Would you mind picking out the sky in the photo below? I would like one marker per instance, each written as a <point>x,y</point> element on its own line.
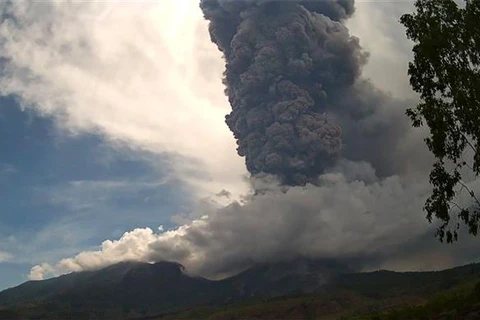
<point>113,147</point>
<point>79,171</point>
<point>62,194</point>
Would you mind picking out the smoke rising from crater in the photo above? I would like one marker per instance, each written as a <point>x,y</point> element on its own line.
<point>341,218</point>
<point>292,79</point>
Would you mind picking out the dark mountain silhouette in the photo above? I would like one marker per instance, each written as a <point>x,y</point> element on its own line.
<point>165,290</point>
<point>153,288</point>
<point>287,277</point>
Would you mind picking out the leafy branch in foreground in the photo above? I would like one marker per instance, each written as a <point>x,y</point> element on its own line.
<point>446,73</point>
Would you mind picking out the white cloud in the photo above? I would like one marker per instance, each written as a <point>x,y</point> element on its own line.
<point>377,25</point>
<point>143,73</point>
<point>132,245</point>
<point>38,272</point>
<point>339,219</point>
<point>5,256</point>
<point>380,223</point>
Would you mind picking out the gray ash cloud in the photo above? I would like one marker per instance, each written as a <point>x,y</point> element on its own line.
<point>293,81</point>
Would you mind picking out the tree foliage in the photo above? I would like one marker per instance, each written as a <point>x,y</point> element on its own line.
<point>446,73</point>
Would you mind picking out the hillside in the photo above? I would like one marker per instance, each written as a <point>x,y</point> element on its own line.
<point>295,289</point>
<point>383,295</point>
<point>142,289</point>
<point>444,305</point>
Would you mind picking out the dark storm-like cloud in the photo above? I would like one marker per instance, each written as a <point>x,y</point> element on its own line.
<point>293,81</point>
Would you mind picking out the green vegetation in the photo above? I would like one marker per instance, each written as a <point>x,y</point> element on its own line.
<point>446,73</point>
<point>142,291</point>
<point>461,301</point>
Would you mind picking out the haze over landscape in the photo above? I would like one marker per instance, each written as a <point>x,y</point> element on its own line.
<point>115,145</point>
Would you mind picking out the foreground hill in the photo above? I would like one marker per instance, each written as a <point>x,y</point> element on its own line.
<point>295,289</point>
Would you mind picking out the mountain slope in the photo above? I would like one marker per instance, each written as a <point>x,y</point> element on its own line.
<point>287,277</point>
<point>127,286</point>
<point>148,289</point>
<point>164,291</point>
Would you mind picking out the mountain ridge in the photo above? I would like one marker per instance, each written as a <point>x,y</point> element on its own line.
<point>136,289</point>
<point>153,288</point>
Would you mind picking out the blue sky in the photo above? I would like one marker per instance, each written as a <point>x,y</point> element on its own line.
<point>118,124</point>
<point>60,194</point>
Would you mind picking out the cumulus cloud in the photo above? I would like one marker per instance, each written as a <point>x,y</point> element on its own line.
<point>38,272</point>
<point>133,245</point>
<point>341,219</point>
<point>142,74</point>
<point>369,224</point>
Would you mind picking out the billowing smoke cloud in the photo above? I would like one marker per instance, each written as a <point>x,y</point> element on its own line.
<point>341,219</point>
<point>146,75</point>
<point>292,79</point>
<point>365,225</point>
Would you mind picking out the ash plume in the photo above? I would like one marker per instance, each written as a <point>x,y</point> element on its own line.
<point>292,79</point>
